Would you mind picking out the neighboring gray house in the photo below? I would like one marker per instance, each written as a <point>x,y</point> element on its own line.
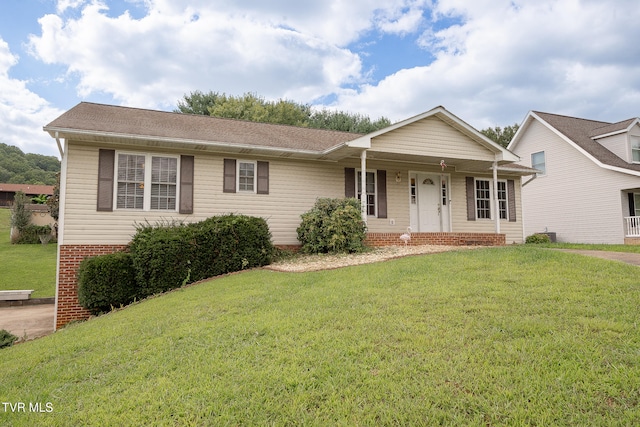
<point>588,187</point>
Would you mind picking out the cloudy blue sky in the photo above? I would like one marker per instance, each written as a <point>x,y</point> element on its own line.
<point>487,61</point>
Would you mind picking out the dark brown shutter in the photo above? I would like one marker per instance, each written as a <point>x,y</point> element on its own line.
<point>263,178</point>
<point>186,185</point>
<point>349,182</point>
<point>229,185</point>
<point>106,164</point>
<point>471,199</point>
<point>632,205</point>
<point>382,193</point>
<point>511,196</point>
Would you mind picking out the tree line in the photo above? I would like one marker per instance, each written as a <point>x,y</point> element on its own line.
<point>16,167</point>
<point>256,108</point>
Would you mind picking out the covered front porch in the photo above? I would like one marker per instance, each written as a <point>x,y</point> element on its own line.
<point>632,221</point>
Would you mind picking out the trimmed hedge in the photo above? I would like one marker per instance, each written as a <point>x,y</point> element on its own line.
<point>333,226</point>
<point>107,281</point>
<point>167,257</point>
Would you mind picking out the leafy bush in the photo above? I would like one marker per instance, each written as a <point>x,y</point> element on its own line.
<point>7,338</point>
<point>332,226</point>
<point>169,256</point>
<point>107,281</point>
<point>538,238</point>
<point>31,234</point>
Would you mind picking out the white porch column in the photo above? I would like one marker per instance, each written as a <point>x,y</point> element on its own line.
<point>363,185</point>
<point>496,210</point>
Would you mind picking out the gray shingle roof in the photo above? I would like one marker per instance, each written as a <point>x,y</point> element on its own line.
<point>126,121</point>
<point>581,132</point>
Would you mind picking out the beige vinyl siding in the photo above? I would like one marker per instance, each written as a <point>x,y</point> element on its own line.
<point>293,189</point>
<point>576,199</point>
<point>430,137</point>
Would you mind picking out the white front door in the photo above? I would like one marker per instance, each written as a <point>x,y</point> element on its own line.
<point>430,209</point>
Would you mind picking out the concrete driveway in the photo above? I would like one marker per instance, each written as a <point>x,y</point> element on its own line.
<point>30,321</point>
<point>627,257</point>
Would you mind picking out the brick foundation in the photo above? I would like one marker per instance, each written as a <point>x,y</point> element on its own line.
<point>449,239</point>
<point>632,240</point>
<point>67,307</point>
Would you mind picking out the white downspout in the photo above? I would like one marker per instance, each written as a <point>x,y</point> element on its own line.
<point>59,145</point>
<point>62,190</point>
<point>363,185</point>
<point>496,210</point>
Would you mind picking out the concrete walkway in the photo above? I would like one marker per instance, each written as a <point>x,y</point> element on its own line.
<point>32,321</point>
<point>627,257</point>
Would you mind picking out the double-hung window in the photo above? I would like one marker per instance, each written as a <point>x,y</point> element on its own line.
<point>635,149</point>
<point>146,182</point>
<point>483,199</point>
<point>502,200</point>
<point>538,161</point>
<point>370,189</point>
<point>246,176</point>
<point>483,190</point>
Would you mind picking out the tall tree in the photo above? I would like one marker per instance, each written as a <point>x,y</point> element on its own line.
<point>502,136</point>
<point>255,108</point>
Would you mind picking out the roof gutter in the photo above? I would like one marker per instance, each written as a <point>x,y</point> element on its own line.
<point>55,133</point>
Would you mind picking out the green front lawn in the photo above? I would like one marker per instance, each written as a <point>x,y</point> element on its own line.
<point>503,336</point>
<point>26,266</point>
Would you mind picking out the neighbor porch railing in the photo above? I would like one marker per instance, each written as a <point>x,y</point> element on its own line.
<point>632,226</point>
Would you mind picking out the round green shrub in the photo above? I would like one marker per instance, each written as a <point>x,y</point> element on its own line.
<point>107,281</point>
<point>538,238</point>
<point>333,226</point>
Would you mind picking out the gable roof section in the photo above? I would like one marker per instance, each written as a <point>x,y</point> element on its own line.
<point>448,118</point>
<point>100,120</point>
<point>614,128</point>
<point>580,133</point>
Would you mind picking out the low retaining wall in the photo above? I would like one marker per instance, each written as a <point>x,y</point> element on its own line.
<point>448,239</point>
<point>27,302</point>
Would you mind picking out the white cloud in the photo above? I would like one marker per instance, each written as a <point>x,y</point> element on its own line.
<point>503,59</point>
<point>22,112</point>
<point>494,60</point>
<point>278,49</point>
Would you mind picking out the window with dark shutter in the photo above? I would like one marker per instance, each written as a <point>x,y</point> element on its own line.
<point>471,199</point>
<point>263,178</point>
<point>511,198</point>
<point>186,185</point>
<point>229,185</point>
<point>382,193</point>
<point>106,163</point>
<point>349,182</point>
